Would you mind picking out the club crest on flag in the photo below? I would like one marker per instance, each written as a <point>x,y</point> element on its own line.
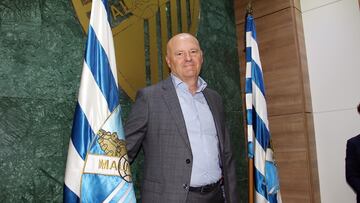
<point>108,156</point>
<point>141,30</point>
<point>114,147</point>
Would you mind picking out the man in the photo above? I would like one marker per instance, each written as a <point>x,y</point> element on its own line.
<point>180,125</point>
<point>353,163</point>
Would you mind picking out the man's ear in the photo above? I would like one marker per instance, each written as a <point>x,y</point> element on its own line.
<point>202,56</point>
<point>167,61</point>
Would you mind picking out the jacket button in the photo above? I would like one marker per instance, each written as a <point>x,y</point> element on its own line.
<point>188,161</point>
<point>185,186</point>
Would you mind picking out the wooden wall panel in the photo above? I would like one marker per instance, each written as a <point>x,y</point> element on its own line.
<point>303,60</point>
<point>291,153</point>
<point>279,55</point>
<point>288,133</point>
<point>283,55</point>
<point>315,184</point>
<point>293,178</point>
<point>262,7</point>
<point>293,140</point>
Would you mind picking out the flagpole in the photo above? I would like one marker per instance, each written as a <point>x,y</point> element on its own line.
<point>251,180</point>
<point>251,161</point>
<point>263,176</point>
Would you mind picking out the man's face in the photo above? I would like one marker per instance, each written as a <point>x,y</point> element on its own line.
<point>184,57</point>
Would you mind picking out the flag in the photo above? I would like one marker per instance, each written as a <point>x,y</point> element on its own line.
<point>266,180</point>
<point>97,168</point>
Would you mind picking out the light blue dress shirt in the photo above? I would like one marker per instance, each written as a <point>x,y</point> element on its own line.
<point>201,131</point>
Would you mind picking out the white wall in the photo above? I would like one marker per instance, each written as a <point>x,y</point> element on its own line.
<point>332,39</point>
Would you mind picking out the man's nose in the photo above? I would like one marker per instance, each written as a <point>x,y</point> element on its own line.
<point>188,57</point>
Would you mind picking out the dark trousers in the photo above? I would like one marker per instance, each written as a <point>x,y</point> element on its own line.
<point>214,196</point>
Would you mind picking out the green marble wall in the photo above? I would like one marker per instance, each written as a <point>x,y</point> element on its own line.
<point>41,47</point>
<point>41,56</point>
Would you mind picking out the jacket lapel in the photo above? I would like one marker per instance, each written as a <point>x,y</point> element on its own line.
<point>171,99</point>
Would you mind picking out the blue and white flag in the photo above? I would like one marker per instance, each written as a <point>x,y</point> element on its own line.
<point>97,168</point>
<point>266,180</point>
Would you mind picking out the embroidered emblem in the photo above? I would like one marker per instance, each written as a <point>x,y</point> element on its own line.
<point>113,146</point>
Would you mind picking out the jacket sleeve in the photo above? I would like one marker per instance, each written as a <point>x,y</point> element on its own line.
<point>353,166</point>
<point>136,125</point>
<point>230,177</point>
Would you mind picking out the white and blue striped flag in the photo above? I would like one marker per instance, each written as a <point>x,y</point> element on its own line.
<point>266,180</point>
<point>97,169</point>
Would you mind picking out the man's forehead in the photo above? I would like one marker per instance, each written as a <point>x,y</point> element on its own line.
<point>180,49</point>
<point>183,37</point>
<point>184,44</point>
<point>189,40</point>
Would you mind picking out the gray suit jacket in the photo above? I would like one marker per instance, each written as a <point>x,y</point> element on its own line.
<point>157,125</point>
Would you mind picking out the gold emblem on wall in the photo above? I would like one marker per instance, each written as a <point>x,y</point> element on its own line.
<point>141,29</point>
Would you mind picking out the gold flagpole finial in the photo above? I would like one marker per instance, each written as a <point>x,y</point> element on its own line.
<point>249,9</point>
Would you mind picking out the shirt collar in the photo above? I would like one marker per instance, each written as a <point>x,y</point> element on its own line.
<point>201,84</point>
